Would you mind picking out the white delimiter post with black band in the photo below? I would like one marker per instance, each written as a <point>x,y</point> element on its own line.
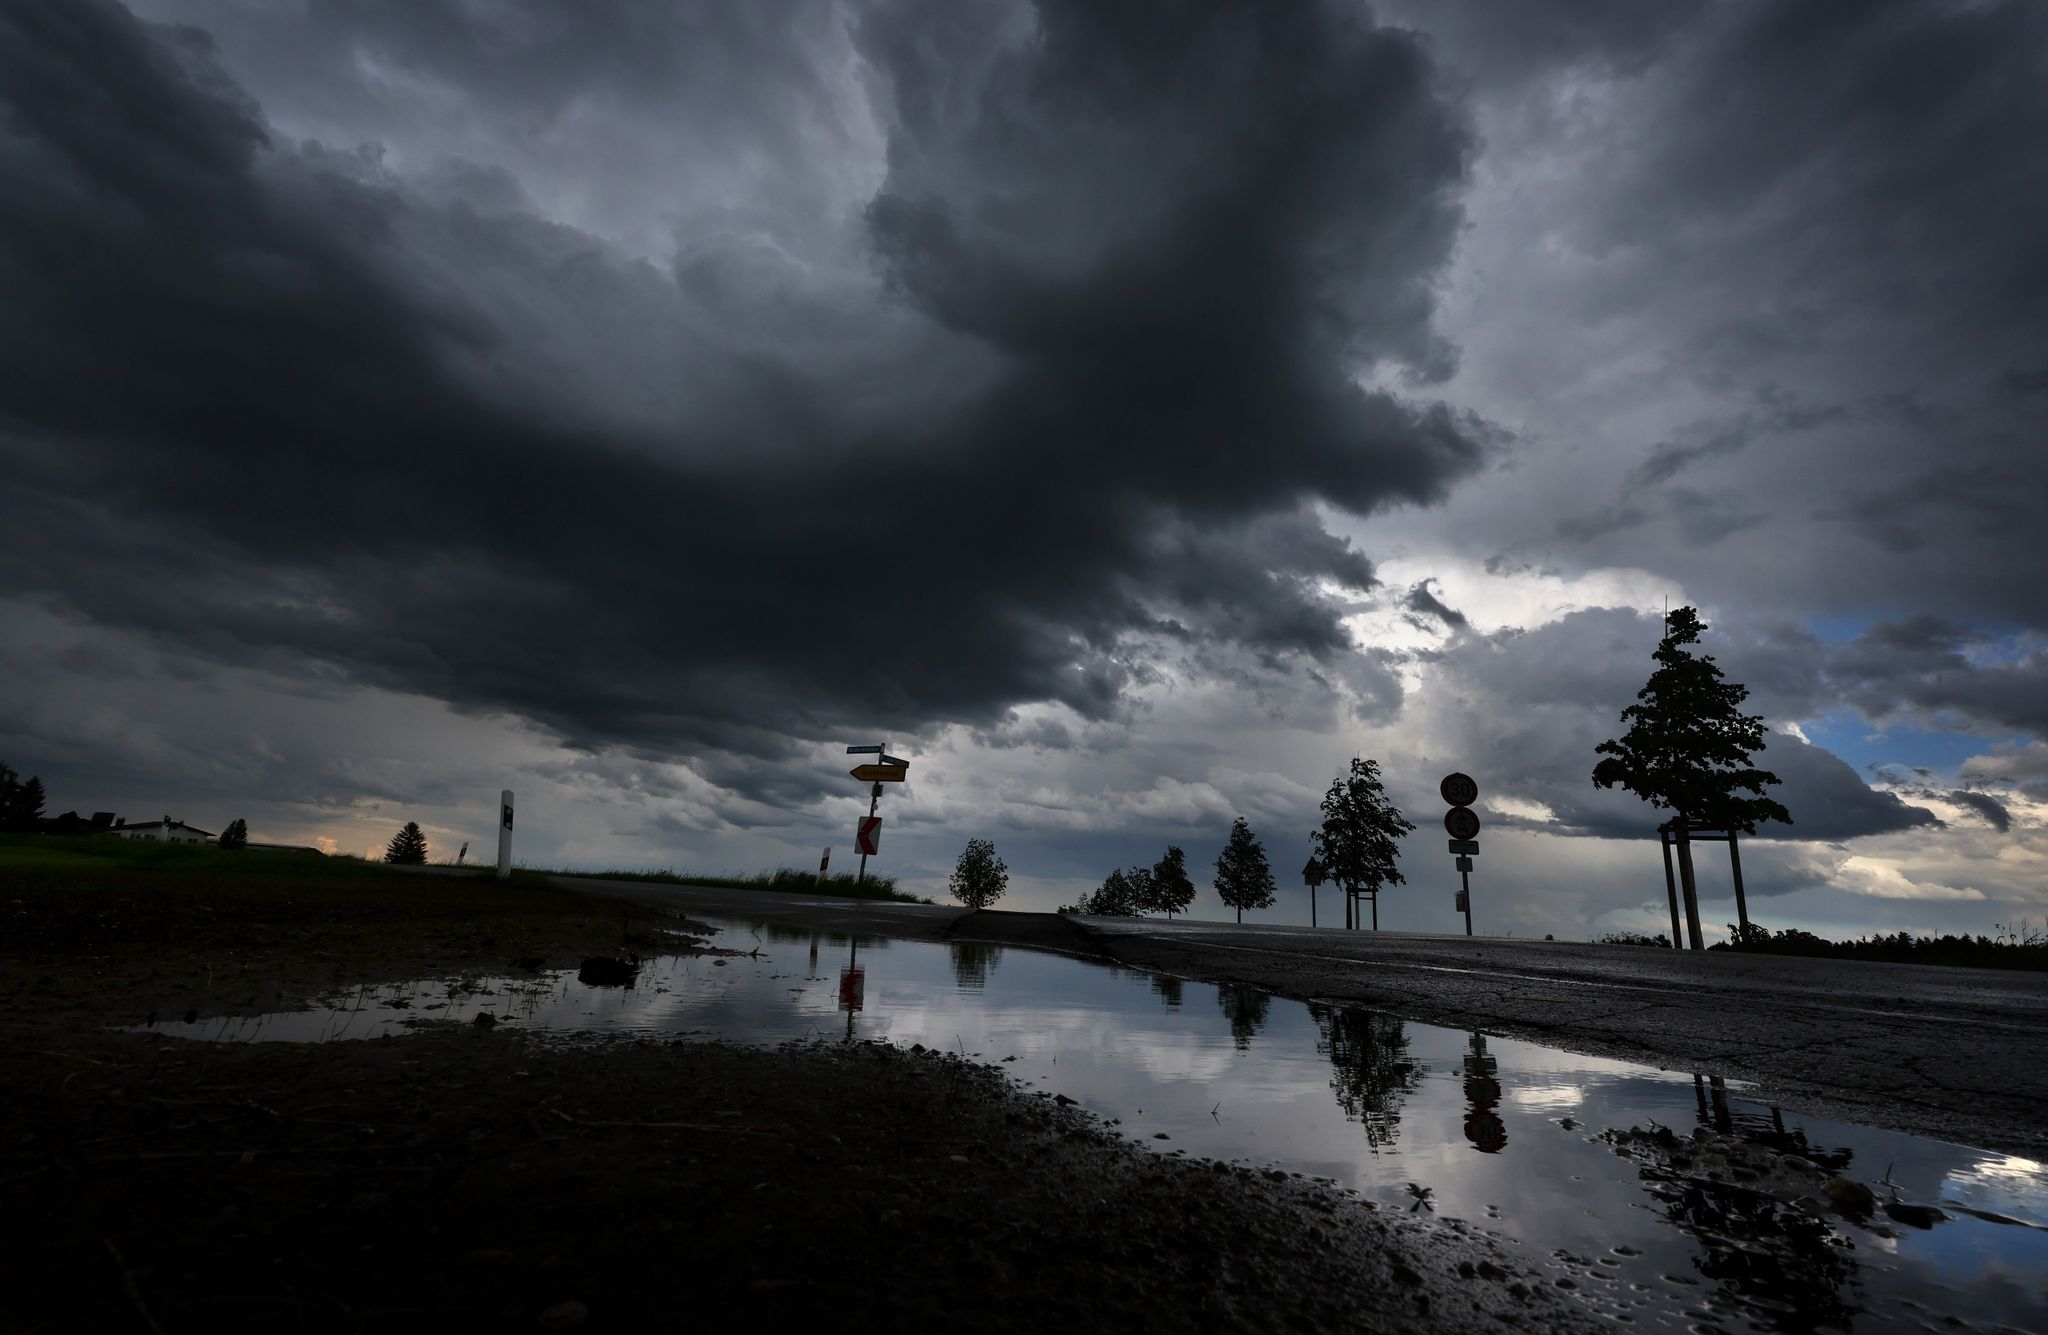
<point>504,833</point>
<point>1462,824</point>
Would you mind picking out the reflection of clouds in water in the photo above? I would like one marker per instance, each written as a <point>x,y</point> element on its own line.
<point>1547,1098</point>
<point>2003,1184</point>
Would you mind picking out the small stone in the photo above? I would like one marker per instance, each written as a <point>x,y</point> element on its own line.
<point>1849,1197</point>
<point>564,1315</point>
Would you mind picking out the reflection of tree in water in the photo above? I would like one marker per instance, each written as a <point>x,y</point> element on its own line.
<point>1756,1211</point>
<point>1245,1008</point>
<point>1370,1067</point>
<point>973,962</point>
<point>1168,987</point>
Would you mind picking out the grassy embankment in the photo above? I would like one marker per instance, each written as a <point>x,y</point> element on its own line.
<point>70,857</point>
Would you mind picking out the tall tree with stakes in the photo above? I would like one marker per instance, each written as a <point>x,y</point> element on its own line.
<point>1170,891</point>
<point>408,847</point>
<point>1688,748</point>
<point>1358,847</point>
<point>1243,879</point>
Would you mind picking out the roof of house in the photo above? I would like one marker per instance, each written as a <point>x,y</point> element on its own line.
<point>158,824</point>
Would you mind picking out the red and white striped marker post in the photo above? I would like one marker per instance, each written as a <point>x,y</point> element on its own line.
<point>823,863</point>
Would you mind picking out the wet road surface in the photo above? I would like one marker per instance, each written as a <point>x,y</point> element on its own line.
<point>1959,1054</point>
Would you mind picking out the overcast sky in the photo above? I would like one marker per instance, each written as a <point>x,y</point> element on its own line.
<point>1126,412</point>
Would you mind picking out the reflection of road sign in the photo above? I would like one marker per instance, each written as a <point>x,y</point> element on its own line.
<point>1468,847</point>
<point>1462,822</point>
<point>863,750</point>
<point>880,773</point>
<point>1465,864</point>
<point>892,760</point>
<point>868,837</point>
<point>1459,790</point>
<point>852,988</point>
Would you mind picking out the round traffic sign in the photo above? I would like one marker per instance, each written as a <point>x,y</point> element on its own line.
<point>1458,789</point>
<point>1462,823</point>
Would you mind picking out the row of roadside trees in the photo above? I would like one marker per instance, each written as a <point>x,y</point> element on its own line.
<point>1357,848</point>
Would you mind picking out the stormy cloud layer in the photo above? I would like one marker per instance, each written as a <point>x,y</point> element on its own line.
<point>712,504</point>
<point>1134,409</point>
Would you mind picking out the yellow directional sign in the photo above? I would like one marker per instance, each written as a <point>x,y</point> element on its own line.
<point>880,773</point>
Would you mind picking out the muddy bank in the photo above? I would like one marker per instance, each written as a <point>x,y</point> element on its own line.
<point>465,1178</point>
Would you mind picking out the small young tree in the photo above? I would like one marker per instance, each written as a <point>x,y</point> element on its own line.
<point>980,877</point>
<point>1168,889</point>
<point>236,835</point>
<point>408,847</point>
<point>1243,879</point>
<point>1688,747</point>
<point>1358,846</point>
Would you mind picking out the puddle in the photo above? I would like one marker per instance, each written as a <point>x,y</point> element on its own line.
<point>1698,1227</point>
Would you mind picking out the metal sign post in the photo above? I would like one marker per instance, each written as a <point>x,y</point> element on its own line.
<point>885,769</point>
<point>1462,824</point>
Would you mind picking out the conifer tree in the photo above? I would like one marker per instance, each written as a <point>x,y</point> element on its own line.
<point>1358,846</point>
<point>236,835</point>
<point>1168,889</point>
<point>1688,745</point>
<point>1243,879</point>
<point>408,847</point>
<point>1688,748</point>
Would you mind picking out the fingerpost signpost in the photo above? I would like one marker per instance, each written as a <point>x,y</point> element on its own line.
<point>867,834</point>
<point>1462,824</point>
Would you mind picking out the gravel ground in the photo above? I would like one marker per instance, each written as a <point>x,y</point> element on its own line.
<point>478,1179</point>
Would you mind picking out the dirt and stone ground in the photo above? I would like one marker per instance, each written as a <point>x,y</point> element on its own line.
<point>464,1178</point>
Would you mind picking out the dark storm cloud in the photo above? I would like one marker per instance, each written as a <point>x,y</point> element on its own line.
<point>275,402</point>
<point>1834,205</point>
<point>1423,602</point>
<point>1990,808</point>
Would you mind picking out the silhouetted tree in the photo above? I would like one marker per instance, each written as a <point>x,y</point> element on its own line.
<point>24,805</point>
<point>1115,898</point>
<point>408,847</point>
<point>10,785</point>
<point>1358,846</point>
<point>980,877</point>
<point>1243,879</point>
<point>1688,748</point>
<point>1168,889</point>
<point>1688,744</point>
<point>236,835</point>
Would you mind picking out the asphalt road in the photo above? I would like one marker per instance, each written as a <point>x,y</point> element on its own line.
<point>1959,1054</point>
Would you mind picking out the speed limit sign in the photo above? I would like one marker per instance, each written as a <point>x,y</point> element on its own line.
<point>1458,790</point>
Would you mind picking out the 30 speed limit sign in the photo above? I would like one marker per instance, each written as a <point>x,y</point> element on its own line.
<point>1458,790</point>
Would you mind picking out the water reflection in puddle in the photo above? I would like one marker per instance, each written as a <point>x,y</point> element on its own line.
<point>1695,1227</point>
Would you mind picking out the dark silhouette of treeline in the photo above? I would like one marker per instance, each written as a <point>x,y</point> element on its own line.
<point>2020,946</point>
